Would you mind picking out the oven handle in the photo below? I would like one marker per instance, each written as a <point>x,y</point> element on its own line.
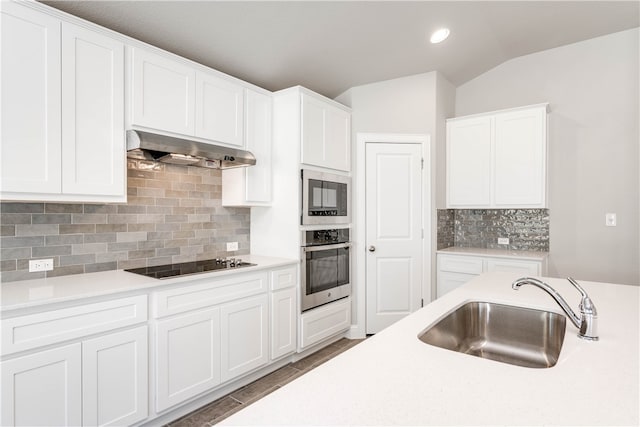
<point>325,247</point>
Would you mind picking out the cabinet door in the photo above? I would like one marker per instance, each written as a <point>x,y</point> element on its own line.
<point>313,127</point>
<point>219,110</point>
<point>469,162</point>
<point>188,356</point>
<point>115,379</point>
<point>30,54</point>
<point>323,322</point>
<point>244,336</point>
<point>338,139</point>
<point>520,157</point>
<point>448,281</point>
<point>93,143</point>
<point>326,135</point>
<point>252,186</point>
<point>283,322</point>
<point>460,264</point>
<point>258,141</point>
<point>532,268</point>
<point>163,93</point>
<point>43,389</point>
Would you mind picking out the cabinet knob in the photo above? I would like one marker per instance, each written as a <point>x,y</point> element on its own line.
<point>372,248</point>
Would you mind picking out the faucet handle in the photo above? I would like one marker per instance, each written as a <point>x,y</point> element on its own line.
<point>588,315</point>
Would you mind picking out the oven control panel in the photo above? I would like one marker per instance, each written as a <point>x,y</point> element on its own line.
<point>325,237</point>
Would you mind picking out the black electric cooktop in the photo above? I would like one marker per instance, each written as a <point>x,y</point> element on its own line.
<point>185,268</point>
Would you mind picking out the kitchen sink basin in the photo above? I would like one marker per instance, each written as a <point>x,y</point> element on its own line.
<point>515,335</point>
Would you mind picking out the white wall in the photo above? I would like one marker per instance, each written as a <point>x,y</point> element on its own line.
<point>408,105</point>
<point>445,108</point>
<point>593,91</point>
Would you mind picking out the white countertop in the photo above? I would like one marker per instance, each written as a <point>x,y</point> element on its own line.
<point>33,293</point>
<point>497,253</point>
<point>393,378</point>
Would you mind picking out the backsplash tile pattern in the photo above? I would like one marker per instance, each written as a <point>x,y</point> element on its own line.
<point>173,214</point>
<point>527,229</point>
<point>446,226</point>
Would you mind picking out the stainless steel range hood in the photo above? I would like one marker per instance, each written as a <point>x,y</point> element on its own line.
<point>168,149</point>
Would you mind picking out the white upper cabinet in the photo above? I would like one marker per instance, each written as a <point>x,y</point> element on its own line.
<point>170,96</point>
<point>326,134</point>
<point>251,186</point>
<point>93,145</point>
<point>520,158</point>
<point>31,97</point>
<point>62,110</point>
<point>469,162</point>
<point>162,93</point>
<point>498,160</point>
<point>219,110</point>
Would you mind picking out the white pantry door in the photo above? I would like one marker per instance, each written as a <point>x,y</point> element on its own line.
<point>393,232</point>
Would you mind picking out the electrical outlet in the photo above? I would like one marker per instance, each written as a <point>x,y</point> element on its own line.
<point>232,246</point>
<point>40,265</point>
<point>503,240</point>
<point>610,220</point>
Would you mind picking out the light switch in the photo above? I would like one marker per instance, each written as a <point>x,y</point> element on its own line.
<point>610,220</point>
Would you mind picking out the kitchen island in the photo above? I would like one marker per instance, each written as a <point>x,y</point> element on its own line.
<point>393,378</point>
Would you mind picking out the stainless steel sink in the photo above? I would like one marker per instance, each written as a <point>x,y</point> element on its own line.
<point>516,335</point>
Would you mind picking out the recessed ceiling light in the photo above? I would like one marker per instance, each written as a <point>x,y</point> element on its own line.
<point>439,35</point>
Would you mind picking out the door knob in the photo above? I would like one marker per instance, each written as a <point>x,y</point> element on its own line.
<point>372,248</point>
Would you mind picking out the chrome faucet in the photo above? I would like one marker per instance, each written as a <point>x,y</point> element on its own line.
<point>587,323</point>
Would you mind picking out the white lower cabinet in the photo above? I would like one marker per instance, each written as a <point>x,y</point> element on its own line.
<point>244,336</point>
<point>284,311</point>
<point>198,350</point>
<point>325,321</point>
<point>43,389</point>
<point>448,281</point>
<point>115,378</point>
<point>209,333</point>
<point>188,356</point>
<point>532,268</point>
<point>88,364</point>
<point>456,270</point>
<point>283,322</point>
<point>97,382</point>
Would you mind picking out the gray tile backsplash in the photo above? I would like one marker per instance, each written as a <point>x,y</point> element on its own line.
<point>527,229</point>
<point>173,214</point>
<point>446,227</point>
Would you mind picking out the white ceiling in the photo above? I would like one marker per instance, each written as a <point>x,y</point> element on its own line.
<point>330,46</point>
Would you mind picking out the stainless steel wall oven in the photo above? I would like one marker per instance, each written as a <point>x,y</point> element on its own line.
<point>326,266</point>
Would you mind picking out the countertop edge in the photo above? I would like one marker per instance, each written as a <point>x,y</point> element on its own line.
<point>31,294</point>
<point>495,253</point>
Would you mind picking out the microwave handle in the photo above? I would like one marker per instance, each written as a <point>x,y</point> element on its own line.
<point>325,247</point>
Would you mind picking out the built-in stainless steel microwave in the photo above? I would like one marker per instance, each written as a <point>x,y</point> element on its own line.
<point>326,198</point>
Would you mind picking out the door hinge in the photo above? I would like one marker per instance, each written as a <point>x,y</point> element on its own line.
<point>421,302</point>
<point>422,164</point>
<point>423,233</point>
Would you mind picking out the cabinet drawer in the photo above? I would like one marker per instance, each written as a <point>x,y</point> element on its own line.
<point>325,321</point>
<point>283,278</point>
<point>35,330</point>
<point>514,266</point>
<point>460,264</point>
<point>448,281</point>
<point>204,293</point>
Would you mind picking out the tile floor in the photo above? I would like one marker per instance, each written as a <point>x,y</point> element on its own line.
<point>220,409</point>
